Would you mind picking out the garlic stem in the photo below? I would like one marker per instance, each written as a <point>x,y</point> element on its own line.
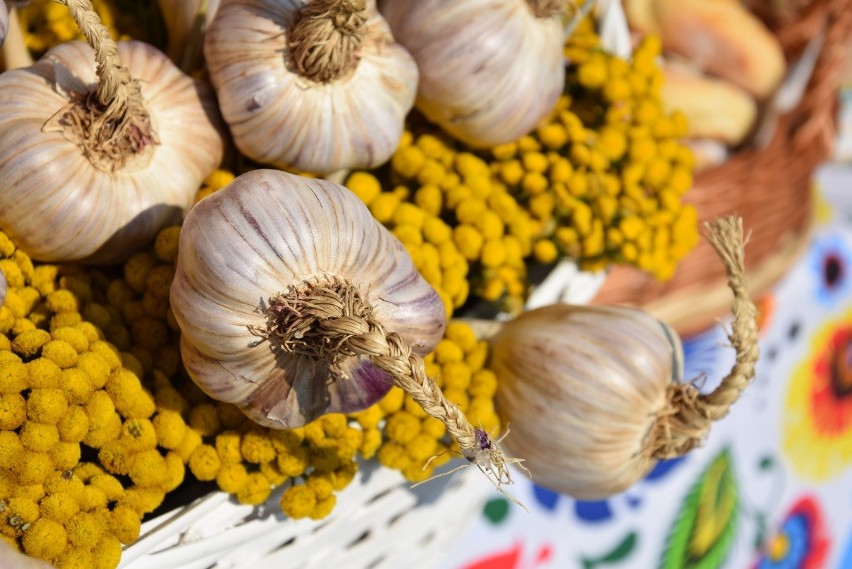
<point>14,52</point>
<point>684,423</point>
<point>329,320</point>
<point>325,36</point>
<point>115,125</point>
<point>548,8</point>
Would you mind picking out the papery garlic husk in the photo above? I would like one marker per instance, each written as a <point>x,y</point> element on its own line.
<point>2,288</point>
<point>490,70</point>
<point>580,388</point>
<point>270,234</point>
<point>186,21</point>
<point>278,115</point>
<point>57,202</point>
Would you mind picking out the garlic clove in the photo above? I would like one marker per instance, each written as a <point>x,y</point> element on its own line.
<point>55,203</point>
<point>278,116</point>
<point>269,233</point>
<point>490,70</point>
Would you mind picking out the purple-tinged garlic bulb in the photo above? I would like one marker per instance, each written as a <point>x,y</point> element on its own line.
<point>259,255</point>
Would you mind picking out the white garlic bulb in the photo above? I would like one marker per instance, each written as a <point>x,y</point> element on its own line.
<point>602,371</point>
<point>490,70</point>
<point>315,86</point>
<point>186,21</point>
<point>594,395</point>
<point>249,254</point>
<point>91,167</point>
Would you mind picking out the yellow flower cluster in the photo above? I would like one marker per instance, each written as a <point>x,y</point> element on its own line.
<point>47,23</point>
<point>605,173</point>
<point>400,433</point>
<point>465,231</point>
<point>65,391</point>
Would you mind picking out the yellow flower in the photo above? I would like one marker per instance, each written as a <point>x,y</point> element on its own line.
<point>323,507</point>
<point>47,405</point>
<point>493,253</point>
<point>402,427</point>
<point>74,425</point>
<point>30,342</point>
<point>364,185</point>
<point>45,539</point>
<point>256,447</point>
<point>148,468</point>
<point>124,523</point>
<point>13,411</point>
<point>204,463</point>
<point>553,135</point>
<point>255,490</point>
<point>434,428</point>
<point>420,448</point>
<point>298,501</point>
<point>59,507</point>
<point>62,301</point>
<point>85,529</point>
<point>545,251</point>
<point>429,198</point>
<point>166,243</point>
<point>60,352</point>
<point>38,436</point>
<point>461,334</point>
<point>370,443</point>
<point>511,172</point>
<point>232,477</point>
<point>393,455</point>
<point>293,463</point>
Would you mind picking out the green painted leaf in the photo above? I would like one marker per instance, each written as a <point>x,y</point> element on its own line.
<point>496,510</point>
<point>622,550</point>
<point>704,529</point>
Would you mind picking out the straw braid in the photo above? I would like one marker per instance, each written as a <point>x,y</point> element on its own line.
<point>684,423</point>
<point>111,124</point>
<point>329,320</point>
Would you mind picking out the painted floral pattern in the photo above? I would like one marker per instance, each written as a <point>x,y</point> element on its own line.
<point>801,541</point>
<point>817,429</point>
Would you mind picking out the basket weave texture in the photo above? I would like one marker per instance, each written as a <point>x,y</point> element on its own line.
<point>769,187</point>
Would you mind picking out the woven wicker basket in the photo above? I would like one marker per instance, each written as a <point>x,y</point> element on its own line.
<point>769,187</point>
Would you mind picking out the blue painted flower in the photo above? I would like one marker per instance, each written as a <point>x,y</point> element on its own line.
<point>831,261</point>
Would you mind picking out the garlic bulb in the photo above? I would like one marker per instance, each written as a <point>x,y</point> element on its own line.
<point>490,70</point>
<point>594,395</point>
<point>268,235</point>
<point>94,161</point>
<point>317,87</point>
<point>186,21</point>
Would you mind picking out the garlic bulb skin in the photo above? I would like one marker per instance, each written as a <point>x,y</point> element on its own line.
<point>279,117</point>
<point>490,70</point>
<point>180,17</point>
<point>15,559</point>
<point>2,289</point>
<point>54,203</point>
<point>580,387</point>
<point>267,233</point>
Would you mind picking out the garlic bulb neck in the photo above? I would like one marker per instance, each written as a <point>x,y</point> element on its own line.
<point>687,418</point>
<point>325,37</point>
<point>111,123</point>
<point>327,321</point>
<point>319,319</point>
<point>547,8</point>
